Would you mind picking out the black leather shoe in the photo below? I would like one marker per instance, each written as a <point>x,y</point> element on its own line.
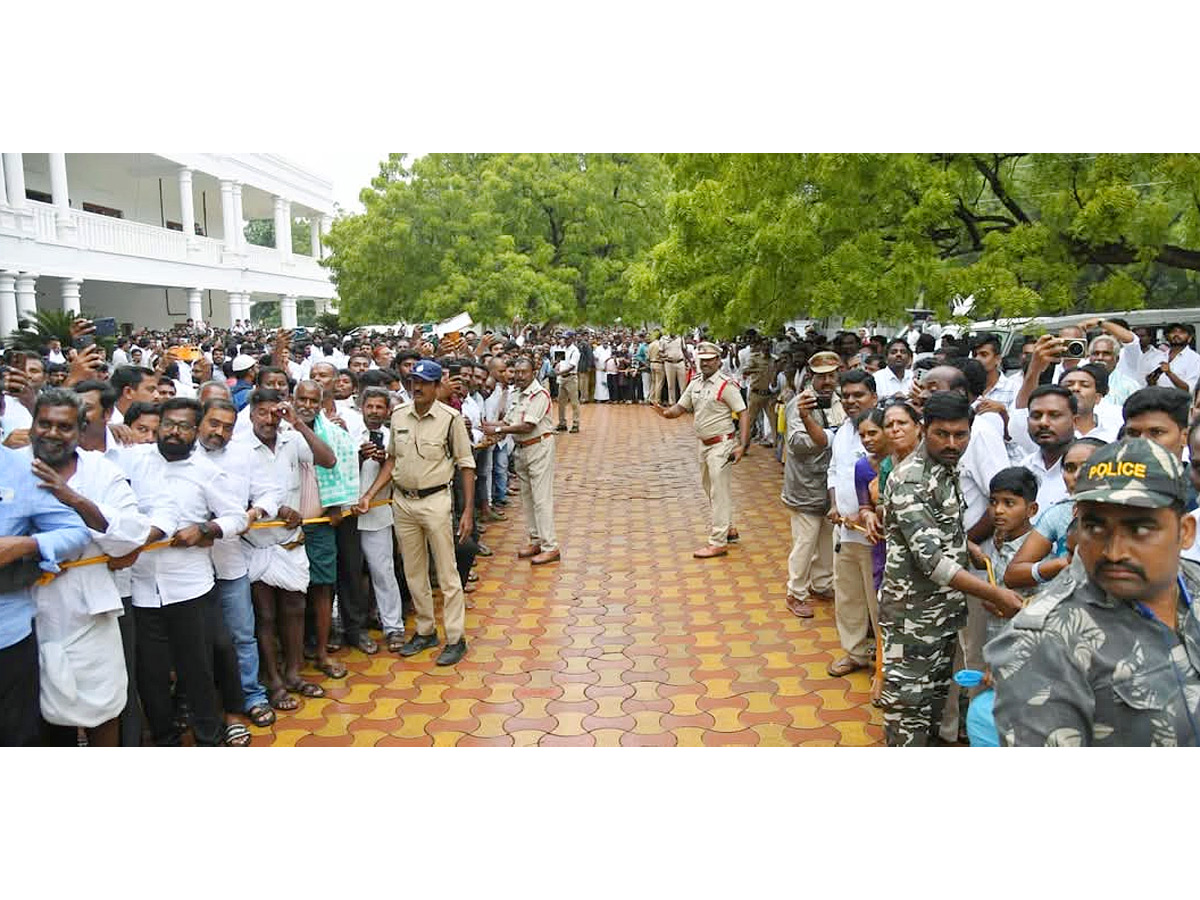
<point>417,643</point>
<point>561,428</point>
<point>452,653</point>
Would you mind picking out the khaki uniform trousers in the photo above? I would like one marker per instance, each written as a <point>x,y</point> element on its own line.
<point>430,521</point>
<point>810,564</point>
<point>855,602</point>
<point>656,382</point>
<point>676,375</point>
<point>716,474</point>
<point>535,467</point>
<point>568,392</point>
<point>587,386</point>
<point>755,406</point>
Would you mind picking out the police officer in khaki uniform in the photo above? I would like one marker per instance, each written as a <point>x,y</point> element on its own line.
<point>427,441</point>
<point>714,399</point>
<point>529,421</point>
<point>674,357</point>
<point>654,357</point>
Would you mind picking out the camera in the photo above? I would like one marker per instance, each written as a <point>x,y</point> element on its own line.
<point>824,402</point>
<point>1075,349</point>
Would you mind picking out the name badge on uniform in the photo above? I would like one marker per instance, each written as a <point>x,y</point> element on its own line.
<point>401,431</point>
<point>7,495</point>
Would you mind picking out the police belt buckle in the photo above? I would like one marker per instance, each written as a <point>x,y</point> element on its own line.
<point>410,495</point>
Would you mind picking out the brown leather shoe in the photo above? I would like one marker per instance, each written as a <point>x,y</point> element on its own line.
<point>732,536</point>
<point>801,608</point>
<point>844,667</point>
<point>710,551</point>
<point>528,550</point>
<point>548,557</point>
<point>814,597</point>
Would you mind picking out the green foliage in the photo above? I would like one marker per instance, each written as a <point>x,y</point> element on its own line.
<point>261,233</point>
<point>266,314</point>
<point>758,239</point>
<point>539,236</point>
<point>330,323</point>
<point>32,334</point>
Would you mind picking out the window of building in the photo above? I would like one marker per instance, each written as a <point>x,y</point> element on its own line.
<point>103,210</point>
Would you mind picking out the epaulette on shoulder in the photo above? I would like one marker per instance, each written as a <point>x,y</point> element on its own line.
<point>1033,617</point>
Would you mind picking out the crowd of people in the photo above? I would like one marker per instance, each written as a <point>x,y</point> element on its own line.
<point>198,524</point>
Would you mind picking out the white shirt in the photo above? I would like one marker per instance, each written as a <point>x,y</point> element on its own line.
<point>67,602</point>
<point>984,457</point>
<point>283,464</point>
<point>176,494</point>
<point>1051,487</point>
<point>888,385</point>
<point>1186,366</point>
<point>376,518</point>
<point>254,485</point>
<point>1144,361</point>
<point>1109,420</point>
<point>494,408</point>
<point>1005,389</point>
<point>472,410</point>
<point>120,357</point>
<point>847,451</point>
<point>16,416</point>
<point>570,364</point>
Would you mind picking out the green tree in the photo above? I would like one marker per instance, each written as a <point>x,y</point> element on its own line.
<point>763,238</point>
<point>261,233</point>
<point>540,236</point>
<point>266,313</point>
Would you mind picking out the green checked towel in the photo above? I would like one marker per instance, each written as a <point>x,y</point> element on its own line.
<point>338,486</point>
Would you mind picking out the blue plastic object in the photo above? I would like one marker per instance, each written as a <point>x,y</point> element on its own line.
<point>981,723</point>
<point>968,678</point>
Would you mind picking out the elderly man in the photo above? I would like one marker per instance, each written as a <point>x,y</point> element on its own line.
<point>1119,352</point>
<point>1109,653</point>
<point>714,399</point>
<point>812,418</point>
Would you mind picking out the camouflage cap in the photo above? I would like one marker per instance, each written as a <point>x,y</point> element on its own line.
<point>823,362</point>
<point>1132,472</point>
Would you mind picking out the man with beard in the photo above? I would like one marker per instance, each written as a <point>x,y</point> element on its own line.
<point>1109,653</point>
<point>896,377</point>
<point>84,681</point>
<point>271,378</point>
<point>259,493</point>
<point>277,562</point>
<point>375,525</point>
<point>1181,368</point>
<point>1051,427</point>
<point>174,593</point>
<point>921,602</point>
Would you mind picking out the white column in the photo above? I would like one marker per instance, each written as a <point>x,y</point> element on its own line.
<point>227,222</point>
<point>70,294</point>
<point>314,231</point>
<point>325,223</point>
<point>8,303</point>
<point>187,204</point>
<point>3,183</point>
<point>283,228</point>
<point>64,224</point>
<point>234,307</point>
<point>14,178</point>
<point>287,311</point>
<point>246,306</point>
<point>195,310</point>
<point>26,295</point>
<point>239,219</point>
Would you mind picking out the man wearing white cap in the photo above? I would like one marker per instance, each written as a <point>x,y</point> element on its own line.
<point>245,370</point>
<point>714,399</point>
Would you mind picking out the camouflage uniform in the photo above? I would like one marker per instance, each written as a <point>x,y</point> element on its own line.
<point>1079,667</point>
<point>919,614</point>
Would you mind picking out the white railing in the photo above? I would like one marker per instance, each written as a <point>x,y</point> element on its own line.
<point>96,232</point>
<point>43,219</point>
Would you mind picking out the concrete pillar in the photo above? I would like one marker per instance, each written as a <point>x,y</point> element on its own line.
<point>3,183</point>
<point>8,303</point>
<point>187,203</point>
<point>287,311</point>
<point>64,223</point>
<point>326,222</point>
<point>70,294</point>
<point>239,219</point>
<point>314,230</point>
<point>227,220</point>
<point>195,309</point>
<point>283,228</point>
<point>26,295</point>
<point>14,178</point>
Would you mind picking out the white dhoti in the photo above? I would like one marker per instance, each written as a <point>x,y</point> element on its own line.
<point>286,570</point>
<point>82,675</point>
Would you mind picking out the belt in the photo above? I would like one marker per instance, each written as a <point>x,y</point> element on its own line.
<point>708,442</point>
<point>417,494</point>
<point>535,440</point>
<point>675,360</point>
<point>292,545</point>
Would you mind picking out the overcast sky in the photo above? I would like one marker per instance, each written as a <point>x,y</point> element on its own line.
<point>349,170</point>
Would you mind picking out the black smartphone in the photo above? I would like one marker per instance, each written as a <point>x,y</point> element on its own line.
<point>106,326</point>
<point>83,341</point>
<point>377,439</point>
<point>824,402</point>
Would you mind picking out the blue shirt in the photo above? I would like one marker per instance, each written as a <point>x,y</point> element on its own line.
<point>29,510</point>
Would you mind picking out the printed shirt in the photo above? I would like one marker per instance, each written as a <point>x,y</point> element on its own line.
<point>338,485</point>
<point>1077,667</point>
<point>714,400</point>
<point>926,545</point>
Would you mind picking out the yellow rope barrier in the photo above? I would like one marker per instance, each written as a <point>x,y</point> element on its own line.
<point>47,577</point>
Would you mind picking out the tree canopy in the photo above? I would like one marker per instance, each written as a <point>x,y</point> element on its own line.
<point>540,236</point>
<point>734,240</point>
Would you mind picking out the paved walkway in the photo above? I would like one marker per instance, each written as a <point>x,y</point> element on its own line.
<point>629,640</point>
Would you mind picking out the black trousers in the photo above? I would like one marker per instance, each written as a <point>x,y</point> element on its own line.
<point>180,634</point>
<point>20,703</point>
<point>131,715</point>
<point>351,591</point>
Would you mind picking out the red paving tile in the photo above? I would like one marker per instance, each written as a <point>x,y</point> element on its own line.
<point>629,641</point>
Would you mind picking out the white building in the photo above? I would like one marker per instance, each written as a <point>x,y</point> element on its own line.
<point>154,239</point>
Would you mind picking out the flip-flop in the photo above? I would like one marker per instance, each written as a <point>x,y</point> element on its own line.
<point>331,669</point>
<point>283,701</point>
<point>262,716</point>
<point>305,689</point>
<point>236,735</point>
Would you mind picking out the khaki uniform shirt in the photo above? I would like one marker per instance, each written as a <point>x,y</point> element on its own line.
<point>653,353</point>
<point>671,349</point>
<point>758,372</point>
<point>427,448</point>
<point>530,405</point>
<point>714,400</point>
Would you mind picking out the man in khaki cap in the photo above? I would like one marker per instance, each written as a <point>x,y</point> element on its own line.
<point>714,399</point>
<point>428,441</point>
<point>529,422</point>
<point>674,357</point>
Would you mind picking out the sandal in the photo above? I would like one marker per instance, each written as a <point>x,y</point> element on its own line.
<point>472,577</point>
<point>281,700</point>
<point>331,669</point>
<point>262,716</point>
<point>236,735</point>
<point>305,689</point>
<point>395,641</point>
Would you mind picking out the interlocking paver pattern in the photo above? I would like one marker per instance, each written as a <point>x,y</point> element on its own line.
<point>629,641</point>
